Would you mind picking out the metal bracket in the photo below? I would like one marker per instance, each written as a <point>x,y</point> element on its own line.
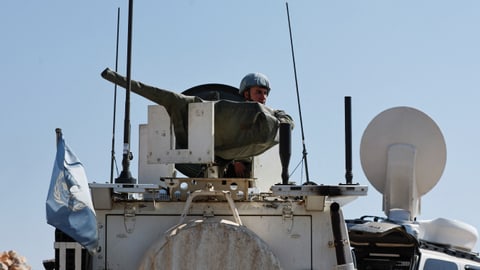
<point>340,243</point>
<point>287,215</point>
<point>197,193</point>
<point>208,212</point>
<point>129,218</point>
<point>287,212</point>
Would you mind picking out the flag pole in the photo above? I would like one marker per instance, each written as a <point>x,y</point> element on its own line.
<point>58,131</point>
<point>125,176</point>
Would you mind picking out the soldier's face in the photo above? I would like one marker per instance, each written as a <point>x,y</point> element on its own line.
<point>257,93</point>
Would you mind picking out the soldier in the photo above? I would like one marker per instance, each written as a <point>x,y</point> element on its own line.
<point>253,87</point>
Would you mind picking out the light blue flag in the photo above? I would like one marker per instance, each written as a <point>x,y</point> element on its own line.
<point>69,203</point>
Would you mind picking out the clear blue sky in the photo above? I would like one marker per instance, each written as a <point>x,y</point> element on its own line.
<point>423,54</point>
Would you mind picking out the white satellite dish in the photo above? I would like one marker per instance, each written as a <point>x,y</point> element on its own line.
<point>403,155</point>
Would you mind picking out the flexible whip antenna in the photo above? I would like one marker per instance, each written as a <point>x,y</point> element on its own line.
<point>126,176</point>
<point>298,97</point>
<point>115,102</point>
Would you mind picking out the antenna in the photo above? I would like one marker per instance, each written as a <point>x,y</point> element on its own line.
<point>126,177</point>
<point>285,149</point>
<point>298,97</point>
<point>115,101</point>
<point>348,140</point>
